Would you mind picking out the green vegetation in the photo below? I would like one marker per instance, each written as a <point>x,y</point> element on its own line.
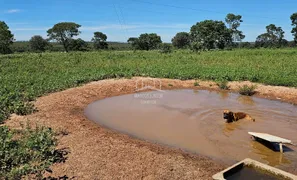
<point>247,90</point>
<point>165,48</point>
<point>27,76</point>
<point>99,40</point>
<point>145,41</point>
<point>27,151</point>
<point>196,83</point>
<point>6,38</point>
<point>63,33</point>
<point>38,44</point>
<point>181,40</point>
<point>223,85</point>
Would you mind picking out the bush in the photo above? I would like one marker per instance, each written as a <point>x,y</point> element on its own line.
<point>78,45</point>
<point>28,151</point>
<point>38,44</point>
<point>165,48</point>
<point>247,90</point>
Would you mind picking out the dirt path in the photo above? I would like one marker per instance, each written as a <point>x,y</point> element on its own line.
<point>99,153</point>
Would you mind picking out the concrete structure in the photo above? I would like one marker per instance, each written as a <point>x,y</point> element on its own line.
<point>257,165</point>
<point>272,139</point>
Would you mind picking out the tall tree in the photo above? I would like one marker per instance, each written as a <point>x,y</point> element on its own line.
<point>275,33</point>
<point>99,40</point>
<point>234,22</point>
<point>211,34</point>
<point>181,40</point>
<point>6,38</point>
<point>63,33</point>
<point>38,44</point>
<point>294,24</point>
<point>272,38</point>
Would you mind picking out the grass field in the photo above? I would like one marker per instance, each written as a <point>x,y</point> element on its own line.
<point>24,77</point>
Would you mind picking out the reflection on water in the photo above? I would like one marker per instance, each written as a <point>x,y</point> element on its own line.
<point>267,154</point>
<point>248,100</point>
<point>224,94</point>
<point>193,120</point>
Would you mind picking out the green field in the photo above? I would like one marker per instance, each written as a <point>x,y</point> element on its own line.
<point>27,76</point>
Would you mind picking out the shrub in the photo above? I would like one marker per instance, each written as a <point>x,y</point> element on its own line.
<point>247,90</point>
<point>223,85</point>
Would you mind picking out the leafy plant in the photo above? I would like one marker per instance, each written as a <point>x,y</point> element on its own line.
<point>27,151</point>
<point>247,90</point>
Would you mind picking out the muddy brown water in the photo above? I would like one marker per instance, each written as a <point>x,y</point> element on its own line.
<point>193,120</point>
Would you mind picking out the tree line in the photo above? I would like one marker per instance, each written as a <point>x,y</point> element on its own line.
<point>204,35</point>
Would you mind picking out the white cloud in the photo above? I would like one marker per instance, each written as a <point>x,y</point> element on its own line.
<point>31,29</point>
<point>135,26</point>
<point>10,11</point>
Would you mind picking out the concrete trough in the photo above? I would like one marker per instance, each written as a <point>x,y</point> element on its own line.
<point>251,169</point>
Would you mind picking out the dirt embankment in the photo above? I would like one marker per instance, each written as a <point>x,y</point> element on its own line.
<point>99,153</point>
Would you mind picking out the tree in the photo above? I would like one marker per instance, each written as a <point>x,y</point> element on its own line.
<point>234,22</point>
<point>99,40</point>
<point>78,45</point>
<point>275,33</point>
<point>38,44</point>
<point>134,42</point>
<point>181,40</point>
<point>272,38</point>
<point>6,38</point>
<point>211,34</point>
<point>146,41</point>
<point>294,24</point>
<point>63,33</point>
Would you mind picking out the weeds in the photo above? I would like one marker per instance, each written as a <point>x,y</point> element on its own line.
<point>247,90</point>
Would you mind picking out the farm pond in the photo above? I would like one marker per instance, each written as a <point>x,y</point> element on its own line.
<point>192,120</point>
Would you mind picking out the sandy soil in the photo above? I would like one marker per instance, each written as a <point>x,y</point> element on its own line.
<point>99,153</point>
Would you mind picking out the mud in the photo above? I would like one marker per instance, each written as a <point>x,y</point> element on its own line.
<point>193,120</point>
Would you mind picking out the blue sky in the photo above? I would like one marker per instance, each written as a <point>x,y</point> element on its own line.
<point>121,19</point>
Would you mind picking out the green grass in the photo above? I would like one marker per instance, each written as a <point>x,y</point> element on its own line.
<point>26,76</point>
<point>29,151</point>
